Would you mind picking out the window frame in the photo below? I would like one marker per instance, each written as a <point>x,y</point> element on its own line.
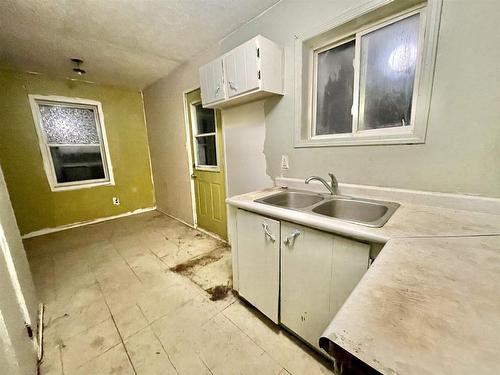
<point>44,145</point>
<point>195,135</point>
<point>366,18</point>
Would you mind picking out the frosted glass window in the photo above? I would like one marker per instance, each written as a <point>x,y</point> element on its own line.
<point>334,90</point>
<point>69,125</point>
<point>387,76</point>
<point>364,84</point>
<point>72,142</point>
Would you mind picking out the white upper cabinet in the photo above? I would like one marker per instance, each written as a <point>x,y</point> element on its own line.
<point>251,71</point>
<point>212,82</point>
<point>241,69</point>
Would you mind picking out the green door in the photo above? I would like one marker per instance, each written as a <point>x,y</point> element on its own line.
<point>208,165</point>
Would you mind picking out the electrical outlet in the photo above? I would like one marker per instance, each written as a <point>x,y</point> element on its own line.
<point>284,162</point>
<point>116,201</point>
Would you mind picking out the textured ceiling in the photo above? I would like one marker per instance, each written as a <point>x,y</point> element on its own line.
<point>129,43</point>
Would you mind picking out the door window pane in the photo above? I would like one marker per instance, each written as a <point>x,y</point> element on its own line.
<point>206,149</point>
<point>68,125</point>
<point>77,163</point>
<point>388,62</point>
<point>334,92</point>
<point>205,120</point>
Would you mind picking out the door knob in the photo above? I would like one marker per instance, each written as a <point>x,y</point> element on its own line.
<point>194,176</point>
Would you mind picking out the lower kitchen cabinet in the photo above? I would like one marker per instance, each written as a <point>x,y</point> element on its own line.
<point>258,261</point>
<point>318,272</point>
<point>297,276</point>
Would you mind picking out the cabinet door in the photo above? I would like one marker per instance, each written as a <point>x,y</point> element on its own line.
<point>211,82</point>
<point>241,70</point>
<point>258,261</point>
<point>318,272</point>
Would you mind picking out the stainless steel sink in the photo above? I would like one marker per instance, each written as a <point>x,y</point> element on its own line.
<point>292,199</point>
<point>366,212</point>
<point>359,211</point>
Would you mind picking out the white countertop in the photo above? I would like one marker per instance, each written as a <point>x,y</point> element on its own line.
<point>409,220</point>
<point>430,303</point>
<point>426,306</point>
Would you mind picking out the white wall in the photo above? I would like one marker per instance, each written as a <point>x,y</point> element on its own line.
<point>463,139</point>
<point>164,108</point>
<point>18,302</point>
<point>244,136</point>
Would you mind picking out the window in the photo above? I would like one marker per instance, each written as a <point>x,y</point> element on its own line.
<point>359,82</point>
<point>72,141</point>
<point>205,137</point>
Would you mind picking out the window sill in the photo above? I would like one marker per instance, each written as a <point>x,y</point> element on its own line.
<point>207,168</point>
<point>359,140</point>
<point>58,188</point>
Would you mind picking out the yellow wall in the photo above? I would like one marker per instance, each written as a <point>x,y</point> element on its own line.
<point>35,206</point>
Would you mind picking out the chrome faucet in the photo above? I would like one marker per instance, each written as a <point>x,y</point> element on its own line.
<point>333,187</point>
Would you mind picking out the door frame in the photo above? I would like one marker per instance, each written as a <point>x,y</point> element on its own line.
<point>187,131</point>
<point>188,145</point>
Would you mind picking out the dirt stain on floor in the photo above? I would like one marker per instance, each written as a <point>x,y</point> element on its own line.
<point>195,267</point>
<point>218,292</point>
<point>197,262</point>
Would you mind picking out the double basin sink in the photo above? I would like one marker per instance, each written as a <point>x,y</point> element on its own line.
<point>366,212</point>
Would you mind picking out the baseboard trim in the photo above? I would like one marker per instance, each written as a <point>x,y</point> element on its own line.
<point>192,226</point>
<point>44,231</point>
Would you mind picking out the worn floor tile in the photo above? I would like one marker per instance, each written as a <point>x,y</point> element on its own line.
<point>89,344</point>
<point>225,349</point>
<point>147,354</point>
<point>187,361</point>
<point>113,278</point>
<point>130,321</point>
<point>162,301</point>
<point>184,323</point>
<point>74,321</point>
<point>112,362</point>
<point>51,363</point>
<point>287,351</point>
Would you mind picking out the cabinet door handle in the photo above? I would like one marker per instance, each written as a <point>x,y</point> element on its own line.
<point>291,237</point>
<point>232,86</point>
<point>217,90</point>
<point>265,226</point>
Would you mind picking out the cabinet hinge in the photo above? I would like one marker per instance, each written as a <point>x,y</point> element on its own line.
<point>258,74</point>
<point>258,52</point>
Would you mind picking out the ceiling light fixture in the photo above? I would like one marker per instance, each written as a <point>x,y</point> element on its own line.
<point>78,70</point>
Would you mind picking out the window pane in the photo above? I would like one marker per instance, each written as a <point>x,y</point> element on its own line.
<point>335,77</point>
<point>65,125</point>
<point>207,154</point>
<point>205,120</point>
<point>77,163</point>
<point>388,59</point>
